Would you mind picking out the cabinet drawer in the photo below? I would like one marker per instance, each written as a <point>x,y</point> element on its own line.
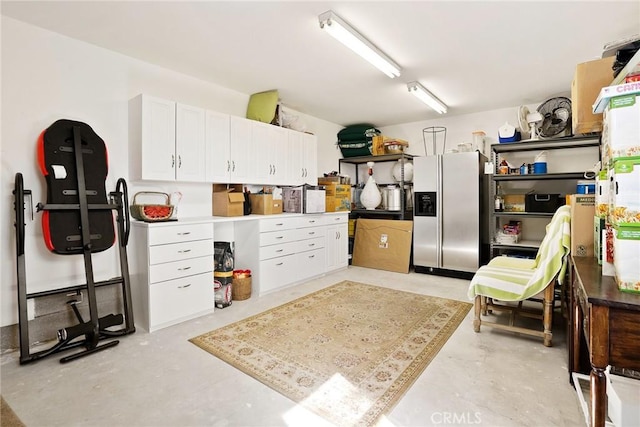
<point>310,233</point>
<point>276,237</point>
<point>336,219</point>
<point>273,251</point>
<point>310,244</point>
<point>176,269</point>
<point>312,263</point>
<point>278,272</point>
<point>310,220</point>
<point>176,299</point>
<point>275,224</point>
<point>179,251</point>
<point>180,233</point>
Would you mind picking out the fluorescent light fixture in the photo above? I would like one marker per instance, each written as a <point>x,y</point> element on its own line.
<point>344,33</point>
<point>427,97</point>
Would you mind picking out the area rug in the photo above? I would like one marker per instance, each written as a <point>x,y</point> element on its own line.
<point>348,352</point>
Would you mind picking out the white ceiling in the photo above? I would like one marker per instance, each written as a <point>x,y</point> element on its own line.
<point>475,56</point>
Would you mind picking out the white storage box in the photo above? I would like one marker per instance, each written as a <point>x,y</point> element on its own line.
<point>625,192</point>
<point>621,129</point>
<point>626,253</point>
<point>623,395</point>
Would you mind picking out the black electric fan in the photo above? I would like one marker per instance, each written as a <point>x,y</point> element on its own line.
<point>556,113</point>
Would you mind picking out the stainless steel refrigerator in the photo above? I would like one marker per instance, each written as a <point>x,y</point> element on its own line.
<point>450,215</point>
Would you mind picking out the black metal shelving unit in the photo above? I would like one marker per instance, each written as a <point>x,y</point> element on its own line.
<point>530,247</point>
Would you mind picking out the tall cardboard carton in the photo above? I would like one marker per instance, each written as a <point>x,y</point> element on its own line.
<point>588,79</point>
<point>583,210</point>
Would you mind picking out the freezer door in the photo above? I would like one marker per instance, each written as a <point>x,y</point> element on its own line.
<point>426,207</point>
<point>461,214</point>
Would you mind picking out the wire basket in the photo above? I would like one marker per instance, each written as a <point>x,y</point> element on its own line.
<point>151,212</point>
<point>241,288</point>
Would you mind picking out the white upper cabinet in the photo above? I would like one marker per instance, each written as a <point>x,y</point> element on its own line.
<point>218,148</point>
<point>302,158</point>
<point>190,144</point>
<point>166,140</point>
<point>269,148</point>
<point>241,153</point>
<point>170,141</point>
<point>309,159</point>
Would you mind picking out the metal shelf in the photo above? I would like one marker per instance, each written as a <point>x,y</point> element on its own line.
<point>538,176</point>
<point>524,214</point>
<point>547,144</point>
<point>382,158</point>
<point>523,245</point>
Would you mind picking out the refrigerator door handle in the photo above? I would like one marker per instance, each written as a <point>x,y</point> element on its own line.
<point>439,210</point>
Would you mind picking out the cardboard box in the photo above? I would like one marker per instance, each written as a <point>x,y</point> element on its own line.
<point>583,209</point>
<point>338,197</point>
<point>339,179</point>
<point>621,121</point>
<point>227,200</point>
<point>624,194</point>
<point>261,204</point>
<point>588,79</point>
<point>626,253</point>
<point>277,206</point>
<point>514,203</point>
<point>623,405</point>
<point>383,244</point>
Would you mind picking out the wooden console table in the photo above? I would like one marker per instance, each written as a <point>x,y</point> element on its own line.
<point>609,321</point>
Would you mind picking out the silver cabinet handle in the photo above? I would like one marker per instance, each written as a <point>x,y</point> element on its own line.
<point>173,161</point>
<point>179,161</point>
<point>186,251</point>
<point>280,250</point>
<point>228,165</point>
<point>311,233</point>
<point>311,245</point>
<point>280,224</point>
<point>184,233</point>
<point>233,162</point>
<point>279,237</point>
<point>280,263</point>
<point>184,268</point>
<point>185,286</point>
<point>312,256</point>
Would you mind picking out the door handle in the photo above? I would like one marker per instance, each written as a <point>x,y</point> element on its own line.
<point>186,251</point>
<point>184,268</point>
<point>173,161</point>
<point>228,165</point>
<point>179,161</point>
<point>185,286</point>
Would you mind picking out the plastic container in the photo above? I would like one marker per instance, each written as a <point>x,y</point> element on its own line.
<point>540,167</point>
<point>586,187</point>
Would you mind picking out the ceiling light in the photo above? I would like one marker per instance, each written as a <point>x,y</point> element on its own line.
<point>344,33</point>
<point>427,97</point>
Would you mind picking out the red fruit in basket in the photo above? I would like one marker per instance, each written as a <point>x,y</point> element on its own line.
<point>155,212</point>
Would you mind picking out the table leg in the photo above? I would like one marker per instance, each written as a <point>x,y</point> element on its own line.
<point>599,346</point>
<point>598,393</point>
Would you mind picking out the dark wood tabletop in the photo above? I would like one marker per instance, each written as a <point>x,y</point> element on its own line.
<point>603,290</point>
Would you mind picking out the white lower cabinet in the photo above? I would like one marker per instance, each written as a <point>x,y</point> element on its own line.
<point>171,272</point>
<point>337,245</point>
<point>290,250</point>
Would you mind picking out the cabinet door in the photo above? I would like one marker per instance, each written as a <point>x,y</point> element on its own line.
<point>337,247</point>
<point>158,139</point>
<point>217,147</point>
<point>295,167</point>
<point>278,144</point>
<point>309,159</point>
<point>261,137</point>
<point>190,143</point>
<point>241,150</point>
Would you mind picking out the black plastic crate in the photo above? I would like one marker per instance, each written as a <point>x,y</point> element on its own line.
<point>543,203</point>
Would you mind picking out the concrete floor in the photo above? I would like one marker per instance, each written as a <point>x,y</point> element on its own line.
<point>492,378</point>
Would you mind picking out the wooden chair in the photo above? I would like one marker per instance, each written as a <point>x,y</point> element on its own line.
<point>507,282</point>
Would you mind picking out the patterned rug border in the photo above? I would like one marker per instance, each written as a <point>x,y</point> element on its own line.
<point>400,385</point>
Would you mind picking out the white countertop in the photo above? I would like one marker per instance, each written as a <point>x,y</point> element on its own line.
<point>222,219</point>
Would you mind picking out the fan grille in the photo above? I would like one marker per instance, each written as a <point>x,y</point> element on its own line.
<point>557,116</point>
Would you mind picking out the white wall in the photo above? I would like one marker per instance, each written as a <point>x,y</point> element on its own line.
<point>46,77</point>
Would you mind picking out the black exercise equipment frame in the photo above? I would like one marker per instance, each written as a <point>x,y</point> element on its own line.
<point>95,329</point>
